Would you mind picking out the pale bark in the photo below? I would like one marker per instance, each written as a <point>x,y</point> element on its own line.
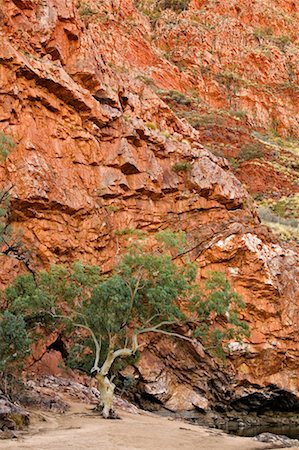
<point>106,389</point>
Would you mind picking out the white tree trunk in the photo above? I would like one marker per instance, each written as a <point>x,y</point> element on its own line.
<point>106,389</point>
<point>105,386</point>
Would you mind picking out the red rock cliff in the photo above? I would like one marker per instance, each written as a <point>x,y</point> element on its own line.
<point>96,146</point>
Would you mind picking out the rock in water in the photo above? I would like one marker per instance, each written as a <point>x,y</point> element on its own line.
<point>277,439</point>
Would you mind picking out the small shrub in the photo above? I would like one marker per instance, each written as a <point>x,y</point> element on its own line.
<point>6,146</point>
<point>228,78</point>
<point>251,151</point>
<point>182,166</point>
<point>285,229</point>
<point>171,239</point>
<point>112,208</point>
<point>238,113</point>
<point>282,41</point>
<point>154,9</point>
<point>85,10</point>
<point>234,162</point>
<point>175,96</point>
<point>166,134</point>
<point>130,231</point>
<point>151,125</point>
<point>146,80</point>
<point>268,215</point>
<point>263,33</point>
<point>197,120</point>
<point>174,5</point>
<point>258,196</point>
<point>285,207</point>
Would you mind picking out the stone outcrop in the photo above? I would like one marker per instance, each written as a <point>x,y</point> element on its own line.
<point>12,417</point>
<point>98,152</point>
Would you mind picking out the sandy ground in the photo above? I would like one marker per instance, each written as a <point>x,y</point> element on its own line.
<point>80,429</point>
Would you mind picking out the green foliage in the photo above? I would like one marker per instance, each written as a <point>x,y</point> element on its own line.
<point>85,10</point>
<point>239,113</point>
<point>281,217</point>
<point>218,313</point>
<point>172,240</point>
<point>281,41</point>
<point>197,119</point>
<point>285,207</point>
<point>182,166</point>
<point>175,96</point>
<point>251,151</point>
<point>174,5</point>
<point>6,146</point>
<point>151,125</point>
<point>234,162</point>
<point>228,78</point>
<point>5,229</point>
<point>14,342</point>
<point>144,287</point>
<point>143,294</point>
<point>153,9</point>
<point>112,208</point>
<point>262,33</point>
<point>10,240</point>
<point>130,232</point>
<point>43,295</point>
<point>146,80</point>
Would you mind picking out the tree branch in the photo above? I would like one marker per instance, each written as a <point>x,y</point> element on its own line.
<point>94,338</point>
<point>156,327</point>
<point>111,357</point>
<point>170,333</point>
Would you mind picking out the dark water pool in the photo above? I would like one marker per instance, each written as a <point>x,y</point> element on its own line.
<point>281,424</point>
<point>291,431</point>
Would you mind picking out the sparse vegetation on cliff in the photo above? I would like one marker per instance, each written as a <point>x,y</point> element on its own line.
<point>251,151</point>
<point>182,166</point>
<point>85,10</point>
<point>6,146</point>
<point>154,8</point>
<point>282,216</point>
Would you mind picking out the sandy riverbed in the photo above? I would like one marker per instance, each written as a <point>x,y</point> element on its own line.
<point>81,429</point>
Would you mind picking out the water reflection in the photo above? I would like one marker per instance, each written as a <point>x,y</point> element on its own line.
<point>291,431</point>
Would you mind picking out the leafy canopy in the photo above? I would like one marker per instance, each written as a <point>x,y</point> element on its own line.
<point>144,293</point>
<point>14,341</point>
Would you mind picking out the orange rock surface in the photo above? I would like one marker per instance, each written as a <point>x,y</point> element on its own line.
<point>96,146</point>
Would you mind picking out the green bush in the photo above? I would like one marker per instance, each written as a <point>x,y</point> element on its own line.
<point>175,96</point>
<point>6,146</point>
<point>85,10</point>
<point>174,5</point>
<point>263,33</point>
<point>173,240</point>
<point>251,151</point>
<point>14,343</point>
<point>182,166</point>
<point>197,119</point>
<point>154,8</point>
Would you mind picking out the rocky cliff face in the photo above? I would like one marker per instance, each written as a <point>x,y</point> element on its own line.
<point>98,152</point>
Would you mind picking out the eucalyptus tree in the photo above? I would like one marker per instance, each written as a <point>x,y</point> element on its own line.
<point>104,316</point>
